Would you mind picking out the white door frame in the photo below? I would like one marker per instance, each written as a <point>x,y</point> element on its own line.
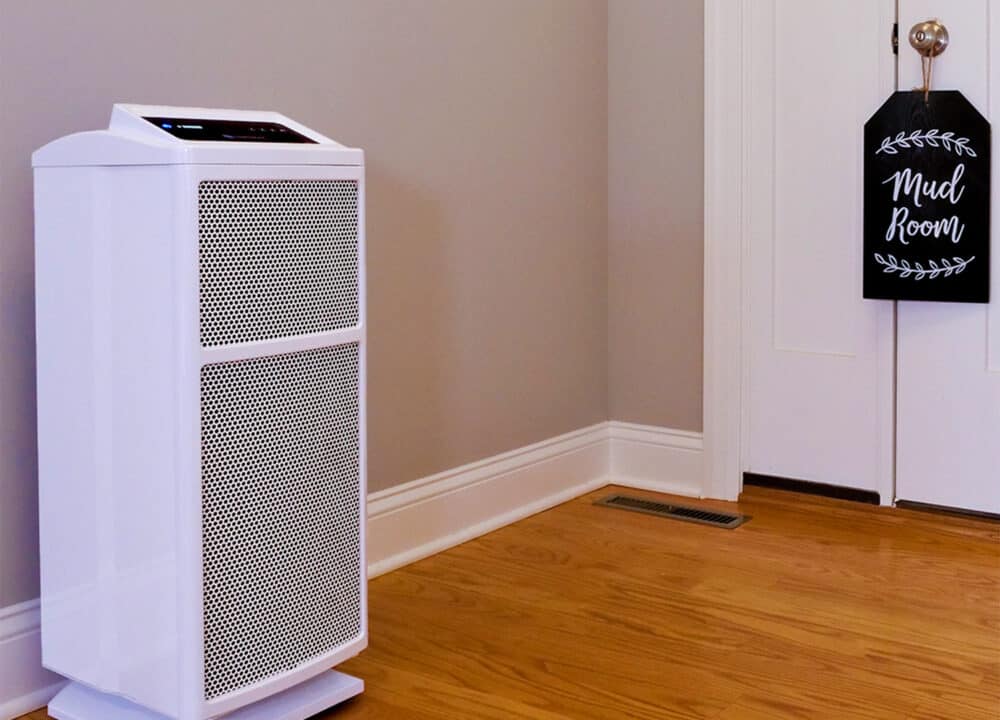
<point>726,232</point>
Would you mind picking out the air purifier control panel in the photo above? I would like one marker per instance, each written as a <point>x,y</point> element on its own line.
<point>228,130</point>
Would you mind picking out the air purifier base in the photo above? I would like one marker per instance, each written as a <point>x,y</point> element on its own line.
<point>78,702</point>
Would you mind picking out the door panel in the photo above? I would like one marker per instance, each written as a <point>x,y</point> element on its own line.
<point>820,358</point>
<point>948,423</point>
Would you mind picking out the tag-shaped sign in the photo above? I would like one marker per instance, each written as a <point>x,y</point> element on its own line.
<point>927,200</point>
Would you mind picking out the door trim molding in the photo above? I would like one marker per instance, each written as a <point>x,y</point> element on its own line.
<point>726,144</point>
<point>728,67</point>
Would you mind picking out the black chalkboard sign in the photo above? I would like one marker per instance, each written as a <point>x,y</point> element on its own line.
<point>927,200</point>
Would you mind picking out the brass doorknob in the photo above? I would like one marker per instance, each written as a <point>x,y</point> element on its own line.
<point>929,38</point>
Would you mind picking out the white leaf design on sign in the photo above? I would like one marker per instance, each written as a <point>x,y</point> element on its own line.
<point>918,272</point>
<point>933,138</point>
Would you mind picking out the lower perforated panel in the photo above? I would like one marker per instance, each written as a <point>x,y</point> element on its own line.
<point>281,513</point>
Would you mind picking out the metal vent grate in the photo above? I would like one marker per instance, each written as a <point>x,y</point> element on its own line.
<point>281,513</point>
<point>678,512</point>
<point>277,258</point>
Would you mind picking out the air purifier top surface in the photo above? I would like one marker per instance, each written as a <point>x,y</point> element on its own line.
<point>163,135</point>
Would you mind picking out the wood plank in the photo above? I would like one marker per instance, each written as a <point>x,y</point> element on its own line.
<point>816,609</point>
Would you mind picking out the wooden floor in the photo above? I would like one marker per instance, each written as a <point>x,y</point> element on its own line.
<point>816,609</point>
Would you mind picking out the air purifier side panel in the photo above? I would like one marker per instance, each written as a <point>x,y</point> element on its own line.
<point>188,446</point>
<point>68,358</point>
<point>107,429</point>
<point>148,485</point>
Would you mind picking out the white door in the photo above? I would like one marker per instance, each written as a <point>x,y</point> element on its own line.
<point>948,443</point>
<point>818,402</point>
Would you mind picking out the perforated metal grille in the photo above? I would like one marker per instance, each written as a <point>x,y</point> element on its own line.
<point>677,512</point>
<point>281,513</point>
<point>277,258</point>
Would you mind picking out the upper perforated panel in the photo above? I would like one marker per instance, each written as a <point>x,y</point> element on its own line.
<point>277,258</point>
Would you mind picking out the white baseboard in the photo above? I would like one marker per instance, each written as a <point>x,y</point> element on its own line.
<point>655,458</point>
<point>24,684</point>
<point>413,521</point>
<point>424,517</point>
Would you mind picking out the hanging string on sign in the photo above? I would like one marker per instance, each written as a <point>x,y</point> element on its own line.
<point>930,40</point>
<point>927,69</point>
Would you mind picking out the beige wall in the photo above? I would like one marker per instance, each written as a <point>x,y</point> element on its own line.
<point>485,126</point>
<point>655,207</point>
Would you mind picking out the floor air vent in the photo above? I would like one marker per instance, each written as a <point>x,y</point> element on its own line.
<point>677,512</point>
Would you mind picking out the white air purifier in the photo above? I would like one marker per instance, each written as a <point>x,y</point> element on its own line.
<point>201,416</point>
